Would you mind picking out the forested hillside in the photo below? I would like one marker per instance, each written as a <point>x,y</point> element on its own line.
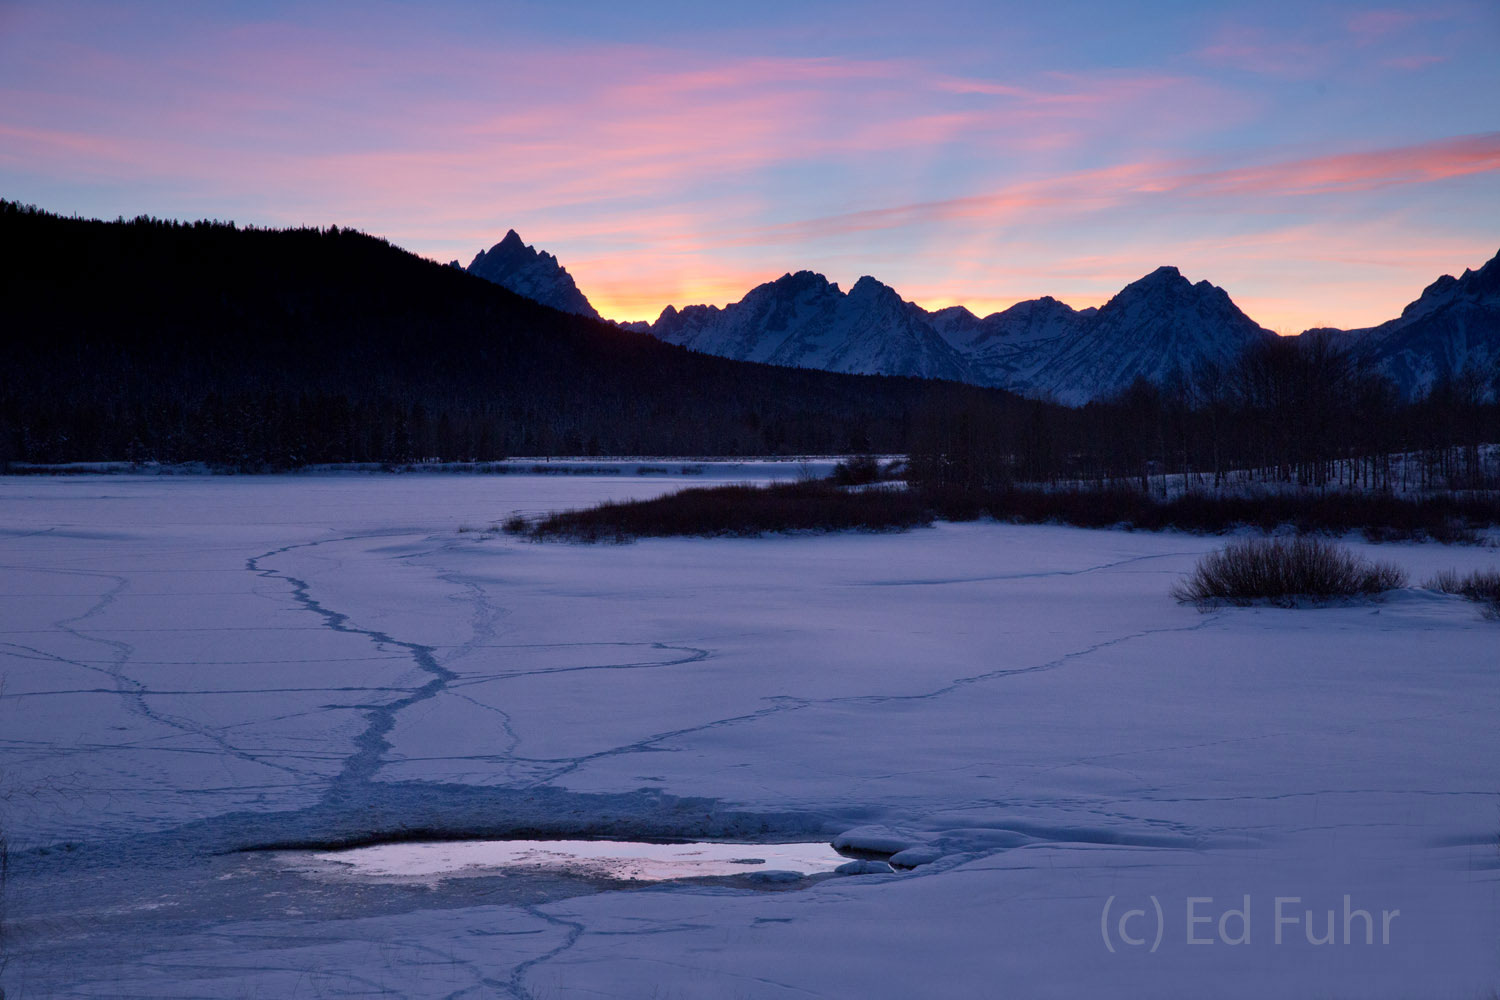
<point>151,340</point>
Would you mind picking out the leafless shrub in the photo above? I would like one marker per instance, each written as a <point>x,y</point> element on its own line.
<point>1481,586</point>
<point>1280,570</point>
<point>857,471</point>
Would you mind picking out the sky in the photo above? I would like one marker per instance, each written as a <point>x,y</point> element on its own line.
<point>1323,162</point>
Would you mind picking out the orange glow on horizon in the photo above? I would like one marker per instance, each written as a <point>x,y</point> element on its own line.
<point>1377,285</point>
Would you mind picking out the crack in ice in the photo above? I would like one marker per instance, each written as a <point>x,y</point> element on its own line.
<point>371,744</point>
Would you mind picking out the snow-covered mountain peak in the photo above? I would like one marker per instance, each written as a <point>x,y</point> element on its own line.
<point>954,314</point>
<point>523,269</point>
<point>1485,282</point>
<point>1452,326</point>
<point>1482,286</point>
<point>1434,295</point>
<point>1162,281</point>
<point>510,252</point>
<point>1046,306</point>
<point>1165,291</point>
<point>869,287</point>
<point>804,320</point>
<point>800,281</point>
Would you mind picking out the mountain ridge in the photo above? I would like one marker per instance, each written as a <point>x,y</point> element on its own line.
<point>1040,347</point>
<point>1451,328</point>
<point>1159,324</point>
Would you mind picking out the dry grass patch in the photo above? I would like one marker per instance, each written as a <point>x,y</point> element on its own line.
<point>1481,586</point>
<point>734,510</point>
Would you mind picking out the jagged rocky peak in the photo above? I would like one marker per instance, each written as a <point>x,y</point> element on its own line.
<point>673,319</point>
<point>1166,288</point>
<point>786,292</point>
<point>1452,326</point>
<point>1164,274</point>
<point>510,250</point>
<point>1435,295</point>
<point>1163,280</point>
<point>536,274</point>
<point>960,314</point>
<point>802,281</point>
<point>1046,306</point>
<point>1483,284</point>
<point>867,285</point>
<point>1440,287</point>
<point>802,319</point>
<point>872,294</point>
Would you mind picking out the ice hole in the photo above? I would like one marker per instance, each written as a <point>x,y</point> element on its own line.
<point>611,859</point>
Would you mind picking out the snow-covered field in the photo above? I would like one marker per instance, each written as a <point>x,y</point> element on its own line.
<point>194,665</point>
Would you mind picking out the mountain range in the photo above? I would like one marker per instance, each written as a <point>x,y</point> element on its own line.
<point>1040,347</point>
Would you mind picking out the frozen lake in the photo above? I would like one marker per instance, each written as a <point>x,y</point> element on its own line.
<point>197,668</point>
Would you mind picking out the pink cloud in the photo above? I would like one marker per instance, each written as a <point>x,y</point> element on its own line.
<point>1109,186</point>
<point>1368,26</point>
<point>1256,50</point>
<point>1416,164</point>
<point>1413,62</point>
<point>1317,49</point>
<point>600,125</point>
<point>14,139</point>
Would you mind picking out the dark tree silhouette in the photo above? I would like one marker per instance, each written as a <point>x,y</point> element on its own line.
<point>146,340</point>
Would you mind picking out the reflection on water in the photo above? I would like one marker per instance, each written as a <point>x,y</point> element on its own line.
<point>615,859</point>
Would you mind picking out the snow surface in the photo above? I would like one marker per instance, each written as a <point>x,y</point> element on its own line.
<point>197,665</point>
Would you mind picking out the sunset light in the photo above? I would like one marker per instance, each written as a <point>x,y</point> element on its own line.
<point>997,154</point>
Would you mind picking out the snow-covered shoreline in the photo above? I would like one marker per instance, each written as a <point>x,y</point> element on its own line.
<point>714,466</point>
